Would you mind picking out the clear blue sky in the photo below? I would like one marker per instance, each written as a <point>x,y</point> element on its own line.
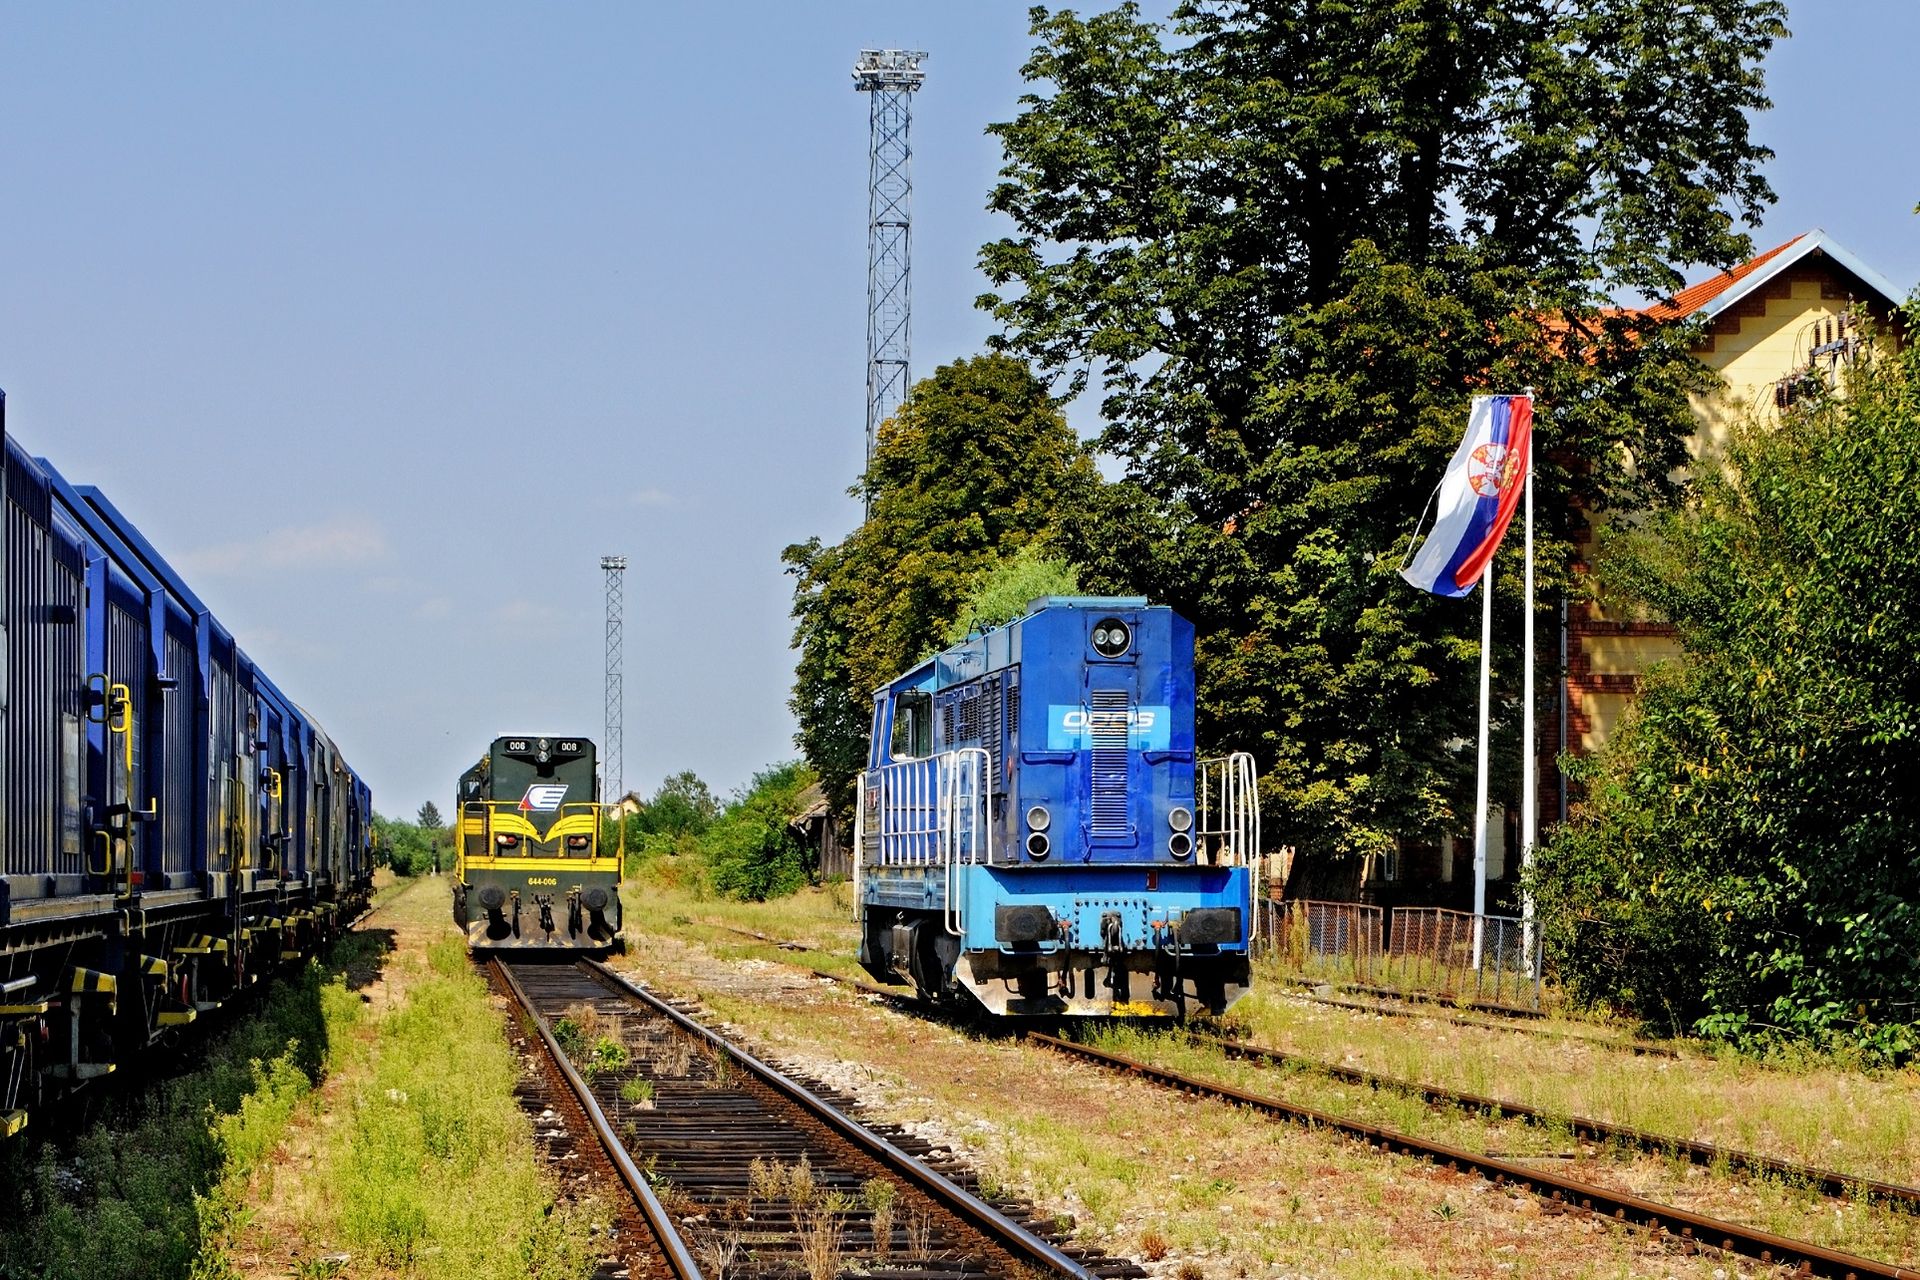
<point>387,321</point>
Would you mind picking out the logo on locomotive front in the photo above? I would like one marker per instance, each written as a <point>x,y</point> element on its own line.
<point>543,797</point>
<point>1071,728</point>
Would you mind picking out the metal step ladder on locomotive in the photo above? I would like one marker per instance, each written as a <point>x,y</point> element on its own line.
<point>1034,830</point>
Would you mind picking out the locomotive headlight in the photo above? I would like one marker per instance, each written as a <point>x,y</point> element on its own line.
<point>1180,818</point>
<point>1038,845</point>
<point>1111,637</point>
<point>507,842</point>
<point>1038,819</point>
<point>577,842</point>
<point>1180,845</point>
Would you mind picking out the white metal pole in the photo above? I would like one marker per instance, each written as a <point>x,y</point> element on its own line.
<point>1480,795</point>
<point>1529,760</point>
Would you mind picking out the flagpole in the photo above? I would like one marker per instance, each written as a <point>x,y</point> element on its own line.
<point>1480,795</point>
<point>1530,756</point>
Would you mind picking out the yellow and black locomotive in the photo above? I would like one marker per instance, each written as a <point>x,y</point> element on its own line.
<point>530,871</point>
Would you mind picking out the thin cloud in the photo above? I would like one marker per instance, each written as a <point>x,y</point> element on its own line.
<point>524,613</point>
<point>652,497</point>
<point>332,544</point>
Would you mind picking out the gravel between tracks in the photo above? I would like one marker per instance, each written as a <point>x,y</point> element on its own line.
<point>1142,1172</point>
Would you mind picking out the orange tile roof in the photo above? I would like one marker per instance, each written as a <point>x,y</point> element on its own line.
<point>1696,296</point>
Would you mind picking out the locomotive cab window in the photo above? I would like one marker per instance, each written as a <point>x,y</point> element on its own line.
<point>912,725</point>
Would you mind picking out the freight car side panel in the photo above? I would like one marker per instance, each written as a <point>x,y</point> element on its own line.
<point>45,718</point>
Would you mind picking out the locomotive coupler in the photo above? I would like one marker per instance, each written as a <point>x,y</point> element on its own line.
<point>545,902</point>
<point>1167,984</point>
<point>1113,946</point>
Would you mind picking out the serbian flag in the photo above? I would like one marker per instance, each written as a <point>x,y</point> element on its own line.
<point>1476,497</point>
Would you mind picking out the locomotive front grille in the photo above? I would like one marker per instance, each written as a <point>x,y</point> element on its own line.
<point>1107,736</point>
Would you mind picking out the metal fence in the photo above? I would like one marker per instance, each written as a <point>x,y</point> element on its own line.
<point>1332,941</point>
<point>1450,955</point>
<point>1459,955</point>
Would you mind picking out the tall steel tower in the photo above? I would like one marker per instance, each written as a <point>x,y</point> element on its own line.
<point>891,76</point>
<point>613,745</point>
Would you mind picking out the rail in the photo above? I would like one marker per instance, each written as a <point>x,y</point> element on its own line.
<point>1025,1246</point>
<point>1569,1193</point>
<point>673,1246</point>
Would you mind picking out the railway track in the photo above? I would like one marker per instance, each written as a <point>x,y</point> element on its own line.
<point>568,1140</point>
<point>1563,1193</point>
<point>1826,1181</point>
<point>1690,1231</point>
<point>743,1171</point>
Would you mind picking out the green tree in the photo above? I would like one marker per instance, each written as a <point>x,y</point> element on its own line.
<point>1288,241</point>
<point>1012,583</point>
<point>407,848</point>
<point>1744,861</point>
<point>752,849</point>
<point>978,463</point>
<point>683,805</point>
<point>428,819</point>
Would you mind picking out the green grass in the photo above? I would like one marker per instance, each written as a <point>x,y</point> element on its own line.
<point>141,1193</point>
<point>426,1167</point>
<point>430,1169</point>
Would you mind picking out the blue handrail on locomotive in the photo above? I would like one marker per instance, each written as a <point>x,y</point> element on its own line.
<point>172,825</point>
<point>1034,830</point>
<point>530,873</point>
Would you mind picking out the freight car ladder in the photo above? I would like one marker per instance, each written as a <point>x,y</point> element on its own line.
<point>931,813</point>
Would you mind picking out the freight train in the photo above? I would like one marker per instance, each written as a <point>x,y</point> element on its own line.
<point>172,825</point>
<point>1034,831</point>
<point>530,873</point>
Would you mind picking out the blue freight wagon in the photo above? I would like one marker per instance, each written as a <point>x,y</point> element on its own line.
<point>172,826</point>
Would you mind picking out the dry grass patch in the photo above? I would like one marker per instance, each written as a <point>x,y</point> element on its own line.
<point>1229,1193</point>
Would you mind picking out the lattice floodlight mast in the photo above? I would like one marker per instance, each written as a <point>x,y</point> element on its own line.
<point>613,742</point>
<point>891,76</point>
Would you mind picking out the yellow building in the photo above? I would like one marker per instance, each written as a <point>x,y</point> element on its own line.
<point>1771,323</point>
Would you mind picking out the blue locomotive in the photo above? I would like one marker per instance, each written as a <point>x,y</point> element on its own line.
<point>172,825</point>
<point>1035,830</point>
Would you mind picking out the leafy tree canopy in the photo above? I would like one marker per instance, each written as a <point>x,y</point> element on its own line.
<point>683,805</point>
<point>1288,241</point>
<point>1009,586</point>
<point>1744,862</point>
<point>428,819</point>
<point>408,848</point>
<point>978,463</point>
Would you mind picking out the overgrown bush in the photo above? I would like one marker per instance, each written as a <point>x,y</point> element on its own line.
<point>1743,865</point>
<point>752,849</point>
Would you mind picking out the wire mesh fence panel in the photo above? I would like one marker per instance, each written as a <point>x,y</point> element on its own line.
<point>1334,941</point>
<point>1490,959</point>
